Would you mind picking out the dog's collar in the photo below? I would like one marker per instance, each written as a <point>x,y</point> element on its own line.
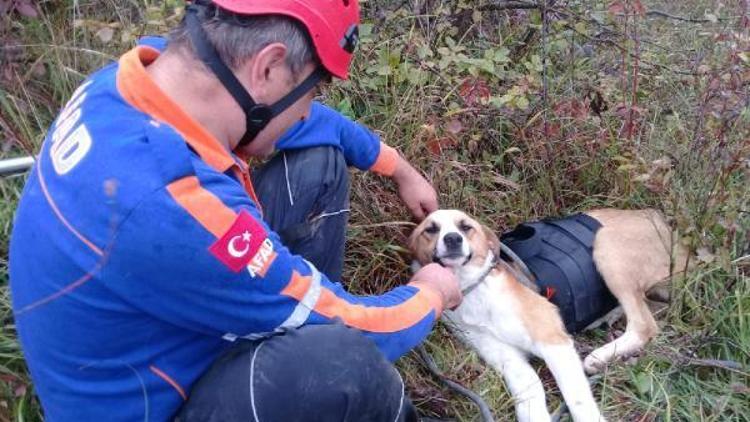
<point>481,278</point>
<point>525,276</point>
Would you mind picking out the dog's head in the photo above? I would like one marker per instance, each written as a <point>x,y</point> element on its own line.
<point>454,239</point>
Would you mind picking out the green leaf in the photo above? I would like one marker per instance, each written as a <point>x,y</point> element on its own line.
<point>643,383</point>
<point>522,103</point>
<point>345,107</point>
<point>501,55</point>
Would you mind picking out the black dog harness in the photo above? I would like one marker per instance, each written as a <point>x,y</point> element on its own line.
<point>559,254</point>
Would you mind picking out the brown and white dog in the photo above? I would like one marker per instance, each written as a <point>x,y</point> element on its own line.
<point>506,320</point>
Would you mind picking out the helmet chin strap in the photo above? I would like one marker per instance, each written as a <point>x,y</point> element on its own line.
<point>257,116</point>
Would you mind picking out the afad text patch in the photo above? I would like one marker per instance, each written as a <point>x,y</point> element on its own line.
<point>243,243</point>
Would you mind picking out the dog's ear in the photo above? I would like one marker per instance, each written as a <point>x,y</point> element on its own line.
<point>417,245</point>
<point>412,242</point>
<point>492,240</point>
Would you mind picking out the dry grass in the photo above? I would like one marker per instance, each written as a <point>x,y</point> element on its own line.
<point>685,152</point>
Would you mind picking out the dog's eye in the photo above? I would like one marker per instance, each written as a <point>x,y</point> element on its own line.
<point>464,227</point>
<point>433,229</point>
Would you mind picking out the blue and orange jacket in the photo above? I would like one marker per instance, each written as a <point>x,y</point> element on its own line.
<point>139,254</point>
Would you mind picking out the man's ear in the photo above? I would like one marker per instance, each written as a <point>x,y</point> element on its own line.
<point>266,65</point>
<point>492,240</point>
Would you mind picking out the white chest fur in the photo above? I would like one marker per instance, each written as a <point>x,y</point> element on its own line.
<point>491,310</point>
<point>496,318</point>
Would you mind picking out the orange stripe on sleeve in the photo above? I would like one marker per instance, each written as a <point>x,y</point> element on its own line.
<point>386,162</point>
<point>203,205</point>
<point>297,286</point>
<point>369,318</point>
<point>434,297</point>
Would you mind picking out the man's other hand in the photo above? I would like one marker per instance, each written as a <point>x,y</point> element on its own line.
<point>441,279</point>
<point>416,192</point>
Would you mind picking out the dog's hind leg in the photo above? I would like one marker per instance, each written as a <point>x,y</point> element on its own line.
<point>565,365</point>
<point>520,378</point>
<point>641,327</point>
<point>632,252</point>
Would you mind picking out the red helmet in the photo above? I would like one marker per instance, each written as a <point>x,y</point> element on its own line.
<point>332,25</point>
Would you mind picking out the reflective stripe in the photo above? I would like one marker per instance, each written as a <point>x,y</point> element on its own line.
<point>252,386</point>
<point>306,305</point>
<point>288,185</point>
<point>230,337</point>
<point>329,214</point>
<point>300,313</point>
<point>401,400</point>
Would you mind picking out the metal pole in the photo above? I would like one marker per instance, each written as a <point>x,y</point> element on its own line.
<point>15,165</point>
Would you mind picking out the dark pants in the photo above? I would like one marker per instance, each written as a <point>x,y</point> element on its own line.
<point>314,373</point>
<point>305,199</point>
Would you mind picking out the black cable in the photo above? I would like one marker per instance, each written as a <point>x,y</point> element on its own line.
<point>484,409</point>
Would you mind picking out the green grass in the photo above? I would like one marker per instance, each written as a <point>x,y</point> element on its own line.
<point>688,157</point>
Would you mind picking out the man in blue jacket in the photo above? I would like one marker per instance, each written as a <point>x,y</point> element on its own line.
<point>151,281</point>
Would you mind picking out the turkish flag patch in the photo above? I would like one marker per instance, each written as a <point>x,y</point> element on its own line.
<point>240,243</point>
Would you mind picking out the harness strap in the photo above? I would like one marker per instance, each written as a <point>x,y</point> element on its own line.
<point>559,254</point>
<point>576,230</point>
<point>523,240</point>
<point>590,222</point>
<point>575,275</point>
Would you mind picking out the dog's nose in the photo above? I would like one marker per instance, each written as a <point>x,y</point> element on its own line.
<point>453,240</point>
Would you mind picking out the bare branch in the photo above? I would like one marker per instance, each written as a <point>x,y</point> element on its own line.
<point>678,18</point>
<point>505,5</point>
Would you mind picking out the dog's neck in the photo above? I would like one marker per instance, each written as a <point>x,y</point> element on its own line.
<point>471,277</point>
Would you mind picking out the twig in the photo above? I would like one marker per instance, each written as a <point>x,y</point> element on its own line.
<point>386,224</point>
<point>729,365</point>
<point>659,13</point>
<point>15,137</point>
<point>508,5</point>
<point>625,50</point>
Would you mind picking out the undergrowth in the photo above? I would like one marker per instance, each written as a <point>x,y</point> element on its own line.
<point>513,114</point>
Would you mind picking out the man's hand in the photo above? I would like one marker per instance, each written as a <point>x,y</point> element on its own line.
<point>416,192</point>
<point>441,279</point>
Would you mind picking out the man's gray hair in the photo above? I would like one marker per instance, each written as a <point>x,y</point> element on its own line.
<point>238,38</point>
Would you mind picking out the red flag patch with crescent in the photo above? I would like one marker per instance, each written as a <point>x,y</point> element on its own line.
<point>240,243</point>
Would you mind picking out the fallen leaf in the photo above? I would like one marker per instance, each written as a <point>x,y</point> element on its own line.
<point>105,34</point>
<point>437,145</point>
<point>454,126</point>
<point>616,8</point>
<point>740,388</point>
<point>474,90</point>
<point>638,7</point>
<point>20,391</point>
<point>26,9</point>
<point>504,181</point>
<point>705,255</point>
